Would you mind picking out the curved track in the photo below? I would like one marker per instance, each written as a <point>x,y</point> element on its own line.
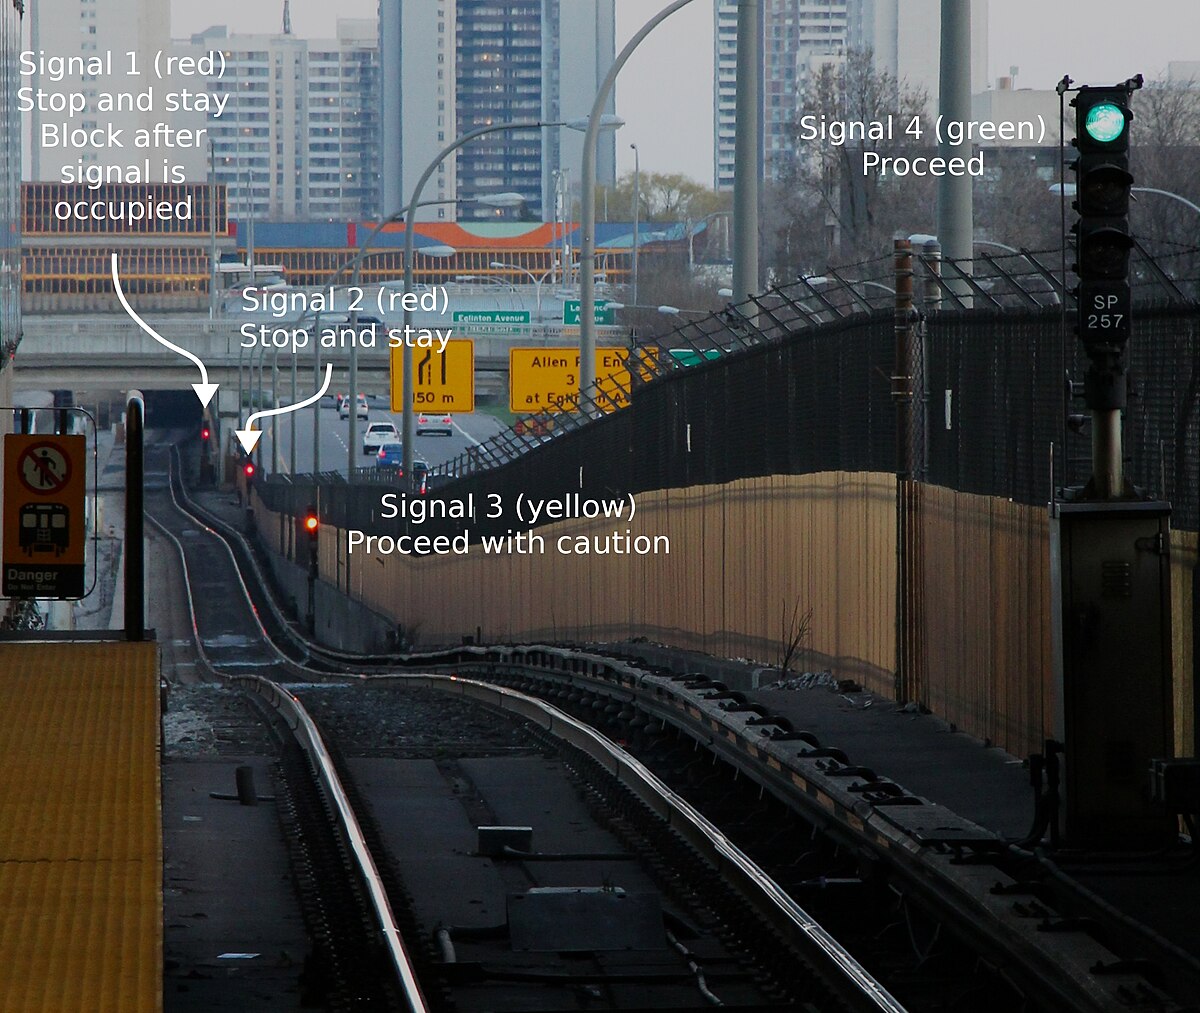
<point>965,887</point>
<point>241,635</point>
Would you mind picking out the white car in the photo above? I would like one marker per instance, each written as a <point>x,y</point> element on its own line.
<point>344,407</point>
<point>438,423</point>
<point>377,434</point>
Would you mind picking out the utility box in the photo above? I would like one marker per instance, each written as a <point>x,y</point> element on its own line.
<point>1110,580</point>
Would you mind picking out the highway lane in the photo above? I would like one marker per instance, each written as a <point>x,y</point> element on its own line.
<point>469,429</point>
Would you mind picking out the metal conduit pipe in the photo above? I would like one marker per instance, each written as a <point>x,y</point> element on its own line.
<point>697,971</point>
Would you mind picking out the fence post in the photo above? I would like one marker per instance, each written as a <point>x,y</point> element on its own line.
<point>135,559</point>
<point>908,583</point>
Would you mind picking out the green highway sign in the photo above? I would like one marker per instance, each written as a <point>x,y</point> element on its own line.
<point>690,357</point>
<point>493,316</point>
<point>602,315</point>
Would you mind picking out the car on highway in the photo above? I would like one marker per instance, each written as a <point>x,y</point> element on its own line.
<point>391,457</point>
<point>428,424</point>
<point>344,407</point>
<point>377,434</point>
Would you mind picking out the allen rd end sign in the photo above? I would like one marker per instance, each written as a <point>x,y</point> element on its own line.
<point>547,379</point>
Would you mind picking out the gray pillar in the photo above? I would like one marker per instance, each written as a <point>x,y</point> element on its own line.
<point>747,150</point>
<point>954,211</point>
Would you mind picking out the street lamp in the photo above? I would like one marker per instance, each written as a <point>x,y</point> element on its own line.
<point>587,252</point>
<point>536,279</point>
<point>637,200</point>
<point>592,126</point>
<point>485,279</point>
<point>1068,190</point>
<point>435,250</point>
<point>666,311</point>
<point>354,263</point>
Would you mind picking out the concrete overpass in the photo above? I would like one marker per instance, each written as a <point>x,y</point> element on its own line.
<point>110,352</point>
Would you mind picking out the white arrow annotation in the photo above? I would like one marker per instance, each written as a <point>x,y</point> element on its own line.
<point>204,390</point>
<point>249,437</point>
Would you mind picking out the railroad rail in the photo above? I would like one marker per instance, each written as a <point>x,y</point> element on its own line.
<point>1028,933</point>
<point>257,635</point>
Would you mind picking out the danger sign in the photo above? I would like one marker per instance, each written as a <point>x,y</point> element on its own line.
<point>44,531</point>
<point>44,468</point>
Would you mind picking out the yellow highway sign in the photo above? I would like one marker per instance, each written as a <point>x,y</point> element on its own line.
<point>442,381</point>
<point>547,379</point>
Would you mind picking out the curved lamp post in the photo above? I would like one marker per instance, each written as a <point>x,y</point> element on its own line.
<point>537,281</point>
<point>355,265</point>
<point>587,250</point>
<point>593,125</point>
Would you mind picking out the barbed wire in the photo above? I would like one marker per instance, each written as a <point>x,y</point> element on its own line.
<point>1008,280</point>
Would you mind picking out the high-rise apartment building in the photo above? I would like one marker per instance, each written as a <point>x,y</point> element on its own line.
<point>88,29</point>
<point>417,109</point>
<point>905,36</point>
<point>451,66</point>
<point>800,36</point>
<point>797,35</point>
<point>298,137</point>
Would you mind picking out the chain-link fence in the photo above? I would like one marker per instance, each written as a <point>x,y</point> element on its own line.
<point>800,380</point>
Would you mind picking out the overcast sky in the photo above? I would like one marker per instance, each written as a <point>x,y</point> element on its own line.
<point>665,91</point>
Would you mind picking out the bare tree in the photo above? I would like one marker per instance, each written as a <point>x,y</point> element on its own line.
<point>794,631</point>
<point>1165,155</point>
<point>830,208</point>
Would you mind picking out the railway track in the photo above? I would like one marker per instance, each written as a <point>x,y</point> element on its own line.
<point>945,914</point>
<point>708,926</point>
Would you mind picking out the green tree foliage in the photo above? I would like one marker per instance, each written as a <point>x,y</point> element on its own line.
<point>664,197</point>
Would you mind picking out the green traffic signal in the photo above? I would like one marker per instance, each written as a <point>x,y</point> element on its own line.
<point>1105,122</point>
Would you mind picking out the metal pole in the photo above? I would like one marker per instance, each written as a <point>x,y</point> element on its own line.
<point>316,454</point>
<point>352,436</point>
<point>902,370</point>
<point>292,422</point>
<point>587,250</point>
<point>637,208</point>
<point>250,225</point>
<point>1108,474</point>
<point>406,436</point>
<point>558,218</point>
<point>747,150</point>
<point>954,207</point>
<point>135,561</point>
<point>212,250</point>
<point>902,397</point>
<point>262,356</point>
<point>274,404</point>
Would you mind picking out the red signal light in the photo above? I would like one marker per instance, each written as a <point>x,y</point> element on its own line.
<point>311,523</point>
<point>205,433</point>
<point>248,469</point>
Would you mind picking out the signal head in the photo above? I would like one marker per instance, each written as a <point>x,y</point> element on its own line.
<point>1102,117</point>
<point>1105,122</point>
